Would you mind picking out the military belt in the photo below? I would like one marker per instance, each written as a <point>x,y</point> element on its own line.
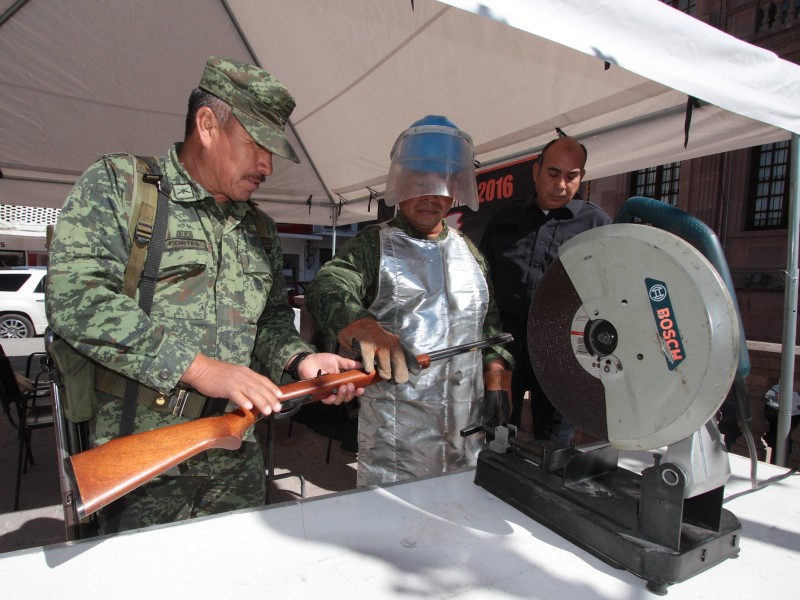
<point>183,402</point>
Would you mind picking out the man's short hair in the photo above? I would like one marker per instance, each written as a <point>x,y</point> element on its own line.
<point>540,158</point>
<point>200,98</point>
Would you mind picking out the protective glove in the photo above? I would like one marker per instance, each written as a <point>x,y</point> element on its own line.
<point>496,398</point>
<point>371,340</point>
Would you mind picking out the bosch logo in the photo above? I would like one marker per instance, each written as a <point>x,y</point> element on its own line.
<point>670,334</point>
<point>657,292</point>
<point>666,323</point>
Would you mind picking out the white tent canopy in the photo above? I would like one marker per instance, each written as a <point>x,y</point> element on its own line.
<point>85,77</point>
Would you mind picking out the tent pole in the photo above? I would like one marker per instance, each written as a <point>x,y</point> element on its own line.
<point>333,239</point>
<point>314,167</point>
<point>291,126</point>
<point>789,311</point>
<point>11,10</point>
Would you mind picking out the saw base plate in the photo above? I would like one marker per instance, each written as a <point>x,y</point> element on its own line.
<point>603,515</point>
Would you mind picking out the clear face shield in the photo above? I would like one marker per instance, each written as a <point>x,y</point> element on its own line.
<point>432,160</point>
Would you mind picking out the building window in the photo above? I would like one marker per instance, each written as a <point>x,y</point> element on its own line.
<point>687,6</point>
<point>769,191</point>
<point>11,258</point>
<point>774,14</point>
<point>660,183</point>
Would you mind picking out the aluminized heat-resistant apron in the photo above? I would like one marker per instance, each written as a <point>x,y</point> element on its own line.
<point>432,295</point>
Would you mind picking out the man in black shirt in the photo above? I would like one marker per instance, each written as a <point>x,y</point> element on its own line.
<point>520,242</point>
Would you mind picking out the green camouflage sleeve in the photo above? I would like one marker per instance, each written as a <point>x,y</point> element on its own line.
<point>277,339</point>
<point>84,300</point>
<point>491,324</point>
<point>345,285</point>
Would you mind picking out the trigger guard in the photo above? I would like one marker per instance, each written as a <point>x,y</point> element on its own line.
<point>294,405</point>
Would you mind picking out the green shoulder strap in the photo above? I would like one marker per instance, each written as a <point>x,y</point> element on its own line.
<point>144,200</point>
<point>148,222</point>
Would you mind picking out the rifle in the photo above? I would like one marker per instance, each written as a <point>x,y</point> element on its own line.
<point>107,472</point>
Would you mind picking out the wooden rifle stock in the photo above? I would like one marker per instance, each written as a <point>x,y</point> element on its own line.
<point>108,472</point>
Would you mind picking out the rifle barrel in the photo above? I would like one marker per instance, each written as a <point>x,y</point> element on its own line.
<point>503,338</point>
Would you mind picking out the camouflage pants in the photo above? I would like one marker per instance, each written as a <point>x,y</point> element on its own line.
<point>212,482</point>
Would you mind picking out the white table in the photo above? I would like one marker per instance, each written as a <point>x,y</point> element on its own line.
<point>442,537</point>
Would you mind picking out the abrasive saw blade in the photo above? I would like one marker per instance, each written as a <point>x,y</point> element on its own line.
<point>566,371</point>
<point>633,336</point>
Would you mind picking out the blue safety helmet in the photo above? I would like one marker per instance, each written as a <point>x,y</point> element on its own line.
<point>433,157</point>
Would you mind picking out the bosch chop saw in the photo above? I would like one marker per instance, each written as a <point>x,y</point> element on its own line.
<point>636,340</point>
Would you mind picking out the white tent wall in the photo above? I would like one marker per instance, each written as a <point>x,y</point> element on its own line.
<point>87,77</point>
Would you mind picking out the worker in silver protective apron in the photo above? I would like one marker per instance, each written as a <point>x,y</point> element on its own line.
<point>413,429</point>
<point>417,281</point>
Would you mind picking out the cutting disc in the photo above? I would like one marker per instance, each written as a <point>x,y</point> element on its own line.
<point>633,336</point>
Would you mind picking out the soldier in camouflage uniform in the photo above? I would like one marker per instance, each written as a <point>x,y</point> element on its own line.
<point>416,281</point>
<point>220,328</point>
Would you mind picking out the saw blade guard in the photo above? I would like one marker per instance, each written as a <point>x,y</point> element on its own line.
<point>698,234</point>
<point>634,336</point>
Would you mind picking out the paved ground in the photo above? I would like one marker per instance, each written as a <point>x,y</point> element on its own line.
<point>40,518</point>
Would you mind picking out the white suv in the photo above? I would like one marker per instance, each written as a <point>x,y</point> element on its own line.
<point>22,302</point>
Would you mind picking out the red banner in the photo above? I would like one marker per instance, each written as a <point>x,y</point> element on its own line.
<point>496,187</point>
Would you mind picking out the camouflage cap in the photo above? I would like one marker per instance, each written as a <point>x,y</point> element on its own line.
<point>259,101</point>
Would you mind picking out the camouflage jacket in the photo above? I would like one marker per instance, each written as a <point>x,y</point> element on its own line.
<point>346,285</point>
<point>218,291</point>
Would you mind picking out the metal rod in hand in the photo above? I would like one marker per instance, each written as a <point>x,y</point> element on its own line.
<point>503,338</point>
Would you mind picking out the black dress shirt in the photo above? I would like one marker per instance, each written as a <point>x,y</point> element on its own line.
<point>519,243</point>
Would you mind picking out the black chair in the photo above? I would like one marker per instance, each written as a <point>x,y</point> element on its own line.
<point>271,475</point>
<point>334,421</point>
<point>26,410</point>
